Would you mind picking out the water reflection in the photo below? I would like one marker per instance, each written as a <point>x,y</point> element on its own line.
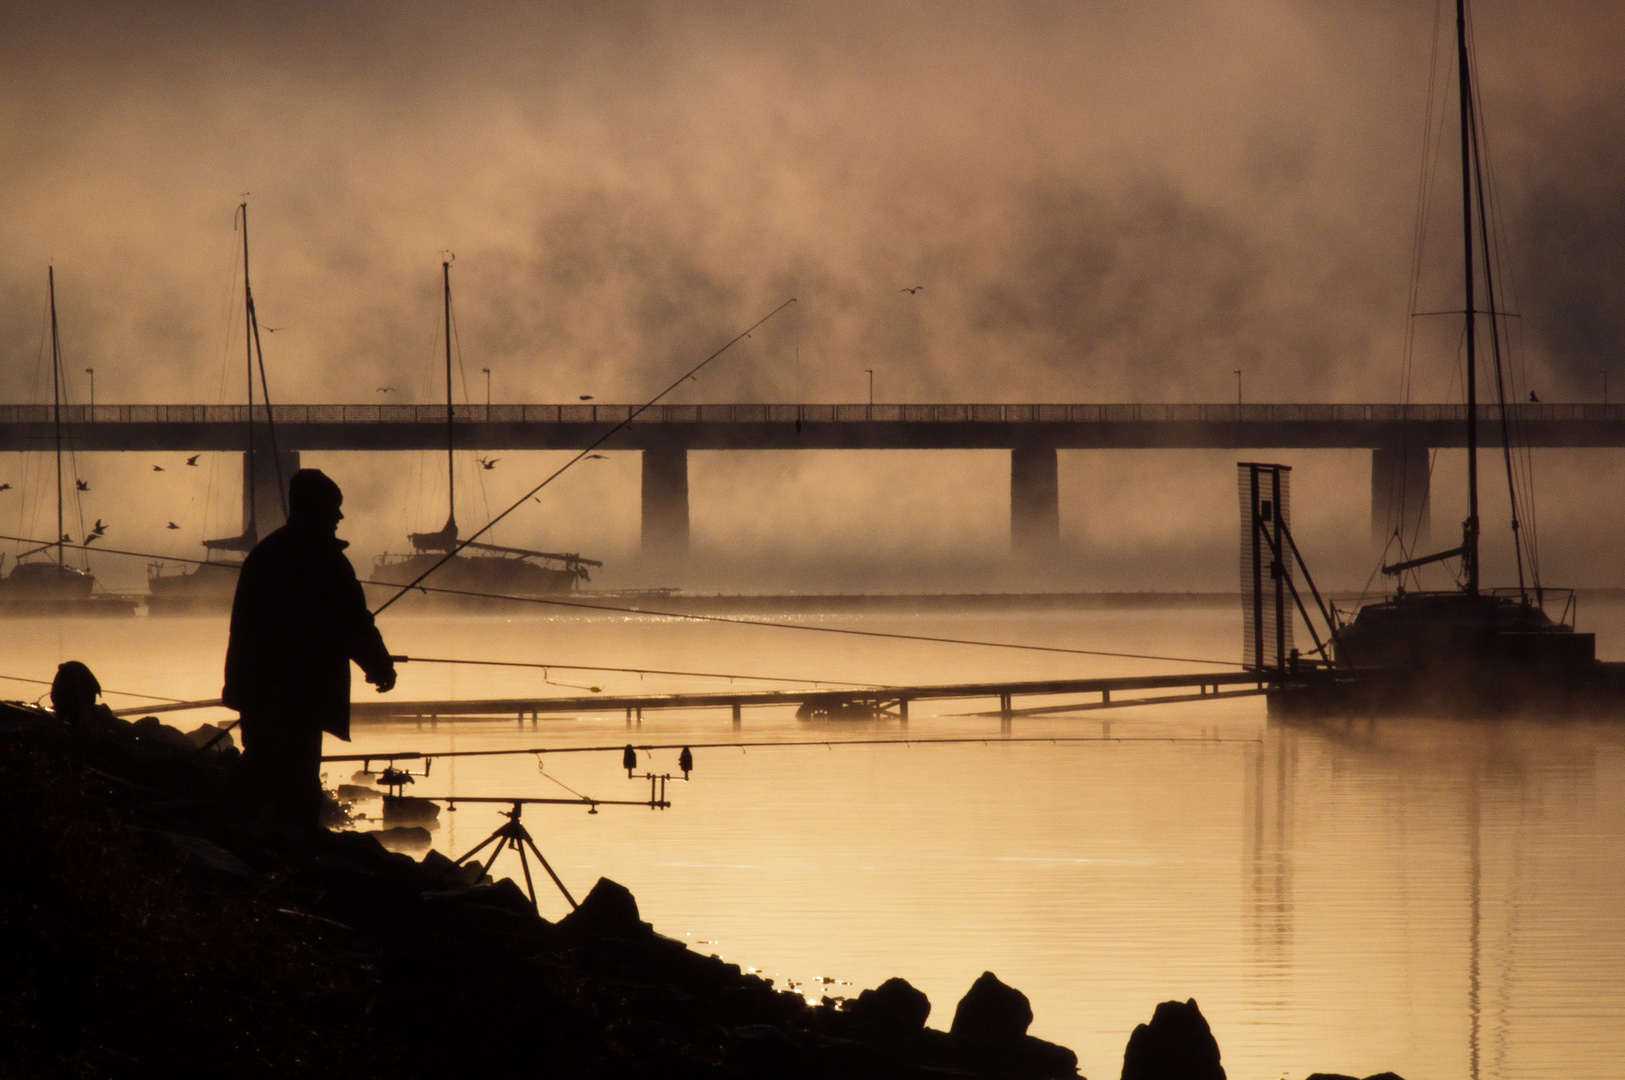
<point>1440,899</point>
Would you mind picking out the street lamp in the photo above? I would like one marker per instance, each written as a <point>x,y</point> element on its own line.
<point>92,373</point>
<point>871,372</point>
<point>487,386</point>
<point>1238,387</point>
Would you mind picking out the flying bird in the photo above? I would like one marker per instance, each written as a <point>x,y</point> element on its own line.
<point>157,468</point>
<point>915,289</point>
<point>491,464</point>
<point>97,533</point>
<point>5,487</point>
<point>1533,398</point>
<point>84,485</point>
<point>172,525</point>
<point>193,459</point>
<point>386,389</point>
<point>586,397</point>
<point>272,329</point>
<point>596,457</point>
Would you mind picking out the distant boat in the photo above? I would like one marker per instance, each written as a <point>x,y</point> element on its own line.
<point>493,572</point>
<point>43,586</point>
<point>211,585</point>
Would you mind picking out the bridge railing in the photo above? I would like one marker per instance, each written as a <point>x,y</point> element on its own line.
<point>1540,412</point>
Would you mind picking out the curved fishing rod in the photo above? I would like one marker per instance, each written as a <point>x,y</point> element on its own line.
<point>611,433</point>
<point>621,748</point>
<point>728,619</point>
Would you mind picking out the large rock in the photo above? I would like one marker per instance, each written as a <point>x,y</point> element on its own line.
<point>990,1011</point>
<point>891,1010</point>
<point>1176,1045</point>
<point>610,910</point>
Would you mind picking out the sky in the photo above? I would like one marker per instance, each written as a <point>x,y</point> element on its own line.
<point>1103,201</point>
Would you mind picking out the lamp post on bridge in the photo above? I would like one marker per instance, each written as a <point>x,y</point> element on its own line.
<point>871,372</point>
<point>487,387</point>
<point>1238,388</point>
<point>92,373</point>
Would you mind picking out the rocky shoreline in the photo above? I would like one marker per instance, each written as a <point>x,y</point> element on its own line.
<point>147,935</point>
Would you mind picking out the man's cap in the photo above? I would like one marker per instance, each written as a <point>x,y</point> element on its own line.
<point>312,491</point>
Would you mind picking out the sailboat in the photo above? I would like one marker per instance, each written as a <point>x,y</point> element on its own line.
<point>1471,651</point>
<point>211,585</point>
<point>492,571</point>
<point>44,586</point>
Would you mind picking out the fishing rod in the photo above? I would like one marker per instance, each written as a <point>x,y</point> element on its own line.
<point>768,744</point>
<point>611,433</point>
<point>731,620</point>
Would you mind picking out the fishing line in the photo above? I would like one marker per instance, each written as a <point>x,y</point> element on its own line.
<point>634,671</point>
<point>735,620</point>
<point>415,755</point>
<point>121,693</point>
<point>448,556</point>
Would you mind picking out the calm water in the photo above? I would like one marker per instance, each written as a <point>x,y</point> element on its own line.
<point>1440,899</point>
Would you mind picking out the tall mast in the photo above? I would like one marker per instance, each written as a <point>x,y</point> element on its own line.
<point>1469,537</point>
<point>56,411</point>
<point>249,495</point>
<point>451,472</point>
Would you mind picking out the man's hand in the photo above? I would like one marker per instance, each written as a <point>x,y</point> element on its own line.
<point>385,681</point>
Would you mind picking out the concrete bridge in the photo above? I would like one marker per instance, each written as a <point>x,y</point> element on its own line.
<point>1399,437</point>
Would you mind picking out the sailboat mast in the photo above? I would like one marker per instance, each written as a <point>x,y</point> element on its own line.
<point>1469,538</point>
<point>451,472</point>
<point>56,411</point>
<point>249,492</point>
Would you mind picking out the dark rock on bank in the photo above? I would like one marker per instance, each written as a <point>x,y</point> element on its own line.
<point>991,1011</point>
<point>1341,1076</point>
<point>1176,1045</point>
<point>891,1010</point>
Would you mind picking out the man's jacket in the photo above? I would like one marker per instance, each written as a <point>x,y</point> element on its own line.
<point>298,619</point>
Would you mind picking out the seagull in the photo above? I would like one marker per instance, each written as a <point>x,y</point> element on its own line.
<point>5,487</point>
<point>586,397</point>
<point>172,525</point>
<point>386,389</point>
<point>596,457</point>
<point>97,533</point>
<point>157,468</point>
<point>272,329</point>
<point>915,289</point>
<point>1533,398</point>
<point>491,464</point>
<point>84,485</point>
<point>193,459</point>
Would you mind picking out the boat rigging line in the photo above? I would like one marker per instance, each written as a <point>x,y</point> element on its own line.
<point>728,619</point>
<point>120,693</point>
<point>611,433</point>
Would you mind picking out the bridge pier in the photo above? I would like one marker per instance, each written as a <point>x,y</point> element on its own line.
<point>260,486</point>
<point>665,503</point>
<point>1035,501</point>
<point>1399,493</point>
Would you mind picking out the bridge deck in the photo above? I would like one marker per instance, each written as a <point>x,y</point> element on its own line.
<point>788,427</point>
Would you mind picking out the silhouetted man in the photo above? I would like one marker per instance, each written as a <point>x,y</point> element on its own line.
<point>298,619</point>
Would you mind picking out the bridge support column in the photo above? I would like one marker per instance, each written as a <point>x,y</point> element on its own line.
<point>665,504</point>
<point>1035,514</point>
<point>260,478</point>
<point>1399,493</point>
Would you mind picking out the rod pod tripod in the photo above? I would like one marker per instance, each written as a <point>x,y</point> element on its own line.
<point>512,835</point>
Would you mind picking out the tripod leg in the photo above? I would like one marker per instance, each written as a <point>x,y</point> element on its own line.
<point>543,860</point>
<point>486,869</point>
<point>477,847</point>
<point>524,864</point>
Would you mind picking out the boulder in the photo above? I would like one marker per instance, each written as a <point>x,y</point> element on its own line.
<point>1176,1045</point>
<point>990,1011</point>
<point>610,910</point>
<point>891,1010</point>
